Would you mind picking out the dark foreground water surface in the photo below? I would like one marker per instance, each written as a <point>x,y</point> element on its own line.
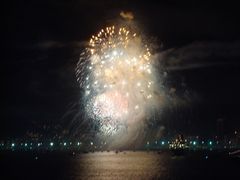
<point>122,165</point>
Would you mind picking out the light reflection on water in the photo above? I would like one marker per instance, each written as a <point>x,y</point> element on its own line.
<point>124,165</point>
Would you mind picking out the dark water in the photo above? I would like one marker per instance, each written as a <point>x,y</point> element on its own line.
<point>123,165</point>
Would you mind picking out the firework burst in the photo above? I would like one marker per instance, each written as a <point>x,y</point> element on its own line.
<point>117,75</point>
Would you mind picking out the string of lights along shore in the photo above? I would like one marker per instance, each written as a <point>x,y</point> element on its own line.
<point>116,72</point>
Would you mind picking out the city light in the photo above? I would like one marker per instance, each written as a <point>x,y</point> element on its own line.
<point>178,142</point>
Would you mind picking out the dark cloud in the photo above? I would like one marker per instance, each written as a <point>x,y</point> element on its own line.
<point>200,55</point>
<point>58,44</point>
<point>50,44</point>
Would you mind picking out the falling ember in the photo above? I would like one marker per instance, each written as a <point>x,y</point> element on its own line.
<point>116,72</point>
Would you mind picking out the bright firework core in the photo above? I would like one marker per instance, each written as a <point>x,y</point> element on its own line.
<point>116,73</point>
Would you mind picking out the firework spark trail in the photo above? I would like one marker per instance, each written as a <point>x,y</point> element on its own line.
<point>117,74</point>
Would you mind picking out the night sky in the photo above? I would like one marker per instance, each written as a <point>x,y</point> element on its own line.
<point>42,40</point>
